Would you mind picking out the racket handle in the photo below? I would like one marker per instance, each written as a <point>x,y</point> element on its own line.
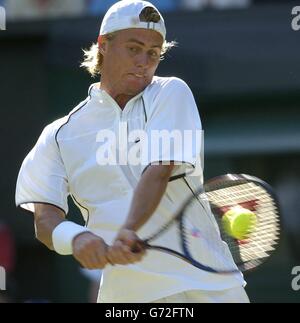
<point>138,246</point>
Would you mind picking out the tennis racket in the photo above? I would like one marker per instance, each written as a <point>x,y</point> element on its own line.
<point>224,193</point>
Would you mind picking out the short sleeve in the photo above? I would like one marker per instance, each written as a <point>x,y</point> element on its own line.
<point>174,131</point>
<point>42,177</point>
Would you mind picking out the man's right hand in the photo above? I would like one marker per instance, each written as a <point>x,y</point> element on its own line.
<point>90,251</point>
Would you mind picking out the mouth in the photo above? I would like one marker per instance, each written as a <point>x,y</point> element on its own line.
<point>140,76</point>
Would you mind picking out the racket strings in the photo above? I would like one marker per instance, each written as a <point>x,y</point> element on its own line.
<point>261,242</point>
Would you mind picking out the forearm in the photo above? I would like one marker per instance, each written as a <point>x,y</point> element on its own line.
<point>46,219</point>
<point>148,195</point>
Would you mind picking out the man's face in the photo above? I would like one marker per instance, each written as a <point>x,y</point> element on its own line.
<point>130,60</point>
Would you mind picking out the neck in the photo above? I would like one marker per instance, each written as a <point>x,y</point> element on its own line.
<point>121,99</point>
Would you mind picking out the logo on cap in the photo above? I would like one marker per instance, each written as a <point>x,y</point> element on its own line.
<point>149,14</point>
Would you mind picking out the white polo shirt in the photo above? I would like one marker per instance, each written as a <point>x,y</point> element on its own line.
<point>70,158</point>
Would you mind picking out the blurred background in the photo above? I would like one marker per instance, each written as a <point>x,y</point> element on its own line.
<point>241,59</point>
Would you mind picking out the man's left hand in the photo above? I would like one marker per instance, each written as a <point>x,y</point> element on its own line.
<point>121,252</point>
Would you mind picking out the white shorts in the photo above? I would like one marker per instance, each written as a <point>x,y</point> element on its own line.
<point>233,295</point>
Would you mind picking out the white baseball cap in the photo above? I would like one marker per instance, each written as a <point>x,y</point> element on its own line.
<point>125,14</point>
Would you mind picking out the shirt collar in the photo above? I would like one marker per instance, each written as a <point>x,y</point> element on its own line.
<point>96,92</point>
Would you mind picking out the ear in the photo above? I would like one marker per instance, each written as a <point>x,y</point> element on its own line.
<point>102,45</point>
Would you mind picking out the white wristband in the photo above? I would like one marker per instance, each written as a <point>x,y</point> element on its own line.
<point>63,235</point>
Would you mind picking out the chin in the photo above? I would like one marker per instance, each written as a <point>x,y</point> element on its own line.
<point>136,87</point>
<point>133,91</point>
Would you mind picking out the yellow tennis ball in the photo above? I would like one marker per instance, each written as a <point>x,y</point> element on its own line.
<point>239,222</point>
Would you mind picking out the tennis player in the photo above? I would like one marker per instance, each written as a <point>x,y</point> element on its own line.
<point>83,155</point>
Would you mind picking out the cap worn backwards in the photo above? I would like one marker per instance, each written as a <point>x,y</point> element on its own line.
<point>126,14</point>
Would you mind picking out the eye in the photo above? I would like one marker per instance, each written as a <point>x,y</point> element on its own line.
<point>154,54</point>
<point>133,49</point>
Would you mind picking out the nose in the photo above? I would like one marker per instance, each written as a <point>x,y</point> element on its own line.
<point>142,60</point>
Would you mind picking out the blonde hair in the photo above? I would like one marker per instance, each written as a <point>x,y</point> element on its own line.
<point>93,58</point>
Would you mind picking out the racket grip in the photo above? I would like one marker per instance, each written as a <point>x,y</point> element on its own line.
<point>138,246</point>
